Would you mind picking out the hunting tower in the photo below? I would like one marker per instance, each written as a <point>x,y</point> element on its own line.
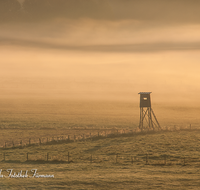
<point>146,113</point>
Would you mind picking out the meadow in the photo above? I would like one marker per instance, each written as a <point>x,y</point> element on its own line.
<point>160,160</point>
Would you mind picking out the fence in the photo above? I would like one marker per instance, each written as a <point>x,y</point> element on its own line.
<point>125,159</point>
<point>109,133</point>
<point>86,157</point>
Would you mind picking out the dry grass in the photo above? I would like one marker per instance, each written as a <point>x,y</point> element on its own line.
<point>103,172</point>
<point>93,163</point>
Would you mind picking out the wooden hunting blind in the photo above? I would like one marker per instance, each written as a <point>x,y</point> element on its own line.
<point>146,113</point>
<point>145,100</point>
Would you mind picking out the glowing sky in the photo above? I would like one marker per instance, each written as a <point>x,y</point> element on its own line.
<point>100,49</point>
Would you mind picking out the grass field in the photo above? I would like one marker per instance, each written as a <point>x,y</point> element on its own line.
<point>104,171</point>
<point>165,160</point>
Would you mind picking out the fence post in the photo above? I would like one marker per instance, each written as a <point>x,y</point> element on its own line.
<point>21,143</point>
<point>132,159</point>
<point>116,157</point>
<point>91,159</point>
<point>147,159</point>
<point>184,161</point>
<point>13,143</point>
<point>5,145</point>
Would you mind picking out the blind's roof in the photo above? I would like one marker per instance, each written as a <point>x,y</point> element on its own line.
<point>144,92</point>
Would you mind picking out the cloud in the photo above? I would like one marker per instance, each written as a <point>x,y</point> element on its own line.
<point>101,36</point>
<point>141,48</point>
<point>157,11</point>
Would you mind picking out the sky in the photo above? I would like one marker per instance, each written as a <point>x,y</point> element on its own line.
<point>100,49</point>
